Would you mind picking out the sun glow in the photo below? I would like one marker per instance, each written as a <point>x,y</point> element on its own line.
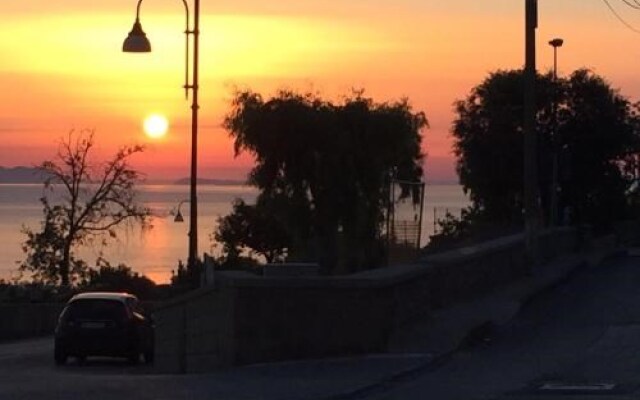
<point>155,126</point>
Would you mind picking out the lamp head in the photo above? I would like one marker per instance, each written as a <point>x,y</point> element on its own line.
<point>136,41</point>
<point>178,217</point>
<point>557,42</point>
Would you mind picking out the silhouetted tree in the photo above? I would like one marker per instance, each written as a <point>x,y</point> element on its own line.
<point>596,133</point>
<point>84,202</point>
<point>106,277</point>
<point>253,227</point>
<point>332,162</point>
<point>598,130</point>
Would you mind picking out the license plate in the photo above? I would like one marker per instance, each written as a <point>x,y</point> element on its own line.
<point>93,325</point>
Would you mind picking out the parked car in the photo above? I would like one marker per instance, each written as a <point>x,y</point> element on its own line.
<point>104,324</point>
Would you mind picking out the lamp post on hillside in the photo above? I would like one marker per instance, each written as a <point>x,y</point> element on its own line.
<point>555,43</point>
<point>553,203</point>
<point>137,42</point>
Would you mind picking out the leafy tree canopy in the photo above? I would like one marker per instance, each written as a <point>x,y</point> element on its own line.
<point>255,227</point>
<point>595,135</point>
<point>121,278</point>
<point>331,163</point>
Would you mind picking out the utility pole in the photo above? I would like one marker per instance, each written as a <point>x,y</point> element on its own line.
<point>530,175</point>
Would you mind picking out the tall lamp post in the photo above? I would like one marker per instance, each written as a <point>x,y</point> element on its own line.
<point>553,212</point>
<point>137,42</point>
<point>531,199</point>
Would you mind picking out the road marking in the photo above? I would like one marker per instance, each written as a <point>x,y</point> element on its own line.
<point>633,252</point>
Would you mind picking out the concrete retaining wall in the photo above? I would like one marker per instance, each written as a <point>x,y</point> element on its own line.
<point>247,319</point>
<point>19,321</point>
<point>198,328</point>
<point>628,233</point>
<point>27,320</point>
<point>289,321</point>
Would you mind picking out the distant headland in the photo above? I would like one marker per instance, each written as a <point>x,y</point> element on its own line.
<point>206,181</point>
<point>21,175</point>
<point>18,175</point>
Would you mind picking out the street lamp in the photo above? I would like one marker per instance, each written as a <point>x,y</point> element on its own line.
<point>137,42</point>
<point>553,201</point>
<point>178,217</point>
<point>555,43</point>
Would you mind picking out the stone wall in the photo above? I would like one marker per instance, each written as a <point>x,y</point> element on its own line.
<point>19,321</point>
<point>628,233</point>
<point>246,319</point>
<point>27,320</point>
<point>196,328</point>
<point>293,321</point>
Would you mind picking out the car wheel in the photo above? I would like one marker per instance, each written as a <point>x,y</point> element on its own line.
<point>59,355</point>
<point>149,356</point>
<point>133,358</point>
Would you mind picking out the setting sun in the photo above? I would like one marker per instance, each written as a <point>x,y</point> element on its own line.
<point>155,126</point>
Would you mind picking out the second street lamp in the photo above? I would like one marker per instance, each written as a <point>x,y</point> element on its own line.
<point>137,42</point>
<point>555,143</point>
<point>555,43</point>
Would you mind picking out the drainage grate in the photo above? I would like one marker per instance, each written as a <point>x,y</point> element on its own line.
<point>578,387</point>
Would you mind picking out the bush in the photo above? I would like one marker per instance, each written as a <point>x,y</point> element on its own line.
<point>119,279</point>
<point>473,226</point>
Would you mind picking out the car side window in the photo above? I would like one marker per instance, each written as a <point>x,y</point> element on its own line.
<point>134,306</point>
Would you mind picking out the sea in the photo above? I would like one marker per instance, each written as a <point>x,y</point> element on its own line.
<point>156,252</point>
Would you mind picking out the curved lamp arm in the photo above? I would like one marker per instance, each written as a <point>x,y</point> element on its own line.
<point>137,30</point>
<point>178,217</point>
<point>186,9</point>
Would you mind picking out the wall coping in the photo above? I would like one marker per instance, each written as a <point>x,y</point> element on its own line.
<point>376,278</point>
<point>488,247</point>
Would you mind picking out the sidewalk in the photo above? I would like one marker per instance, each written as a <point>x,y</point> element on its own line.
<point>411,353</point>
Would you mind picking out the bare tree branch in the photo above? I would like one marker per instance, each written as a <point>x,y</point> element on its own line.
<point>95,202</point>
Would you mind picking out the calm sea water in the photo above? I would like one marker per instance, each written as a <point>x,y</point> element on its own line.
<point>157,251</point>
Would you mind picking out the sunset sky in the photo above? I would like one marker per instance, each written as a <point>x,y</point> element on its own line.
<point>62,67</point>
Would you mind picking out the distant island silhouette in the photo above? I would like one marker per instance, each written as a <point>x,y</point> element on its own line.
<point>21,174</point>
<point>206,181</point>
<point>33,175</point>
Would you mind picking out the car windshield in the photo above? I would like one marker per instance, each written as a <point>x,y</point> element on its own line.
<point>96,309</point>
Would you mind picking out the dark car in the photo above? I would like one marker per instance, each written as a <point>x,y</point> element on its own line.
<point>104,324</point>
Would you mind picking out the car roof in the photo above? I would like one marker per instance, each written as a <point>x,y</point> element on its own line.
<point>103,296</point>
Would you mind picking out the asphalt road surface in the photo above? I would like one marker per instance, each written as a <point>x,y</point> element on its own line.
<point>581,339</point>
<point>27,371</point>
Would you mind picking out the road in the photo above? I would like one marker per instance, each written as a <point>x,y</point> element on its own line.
<point>27,372</point>
<point>582,339</point>
<point>584,335</point>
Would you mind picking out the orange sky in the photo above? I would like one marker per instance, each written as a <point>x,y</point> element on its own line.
<point>62,67</point>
